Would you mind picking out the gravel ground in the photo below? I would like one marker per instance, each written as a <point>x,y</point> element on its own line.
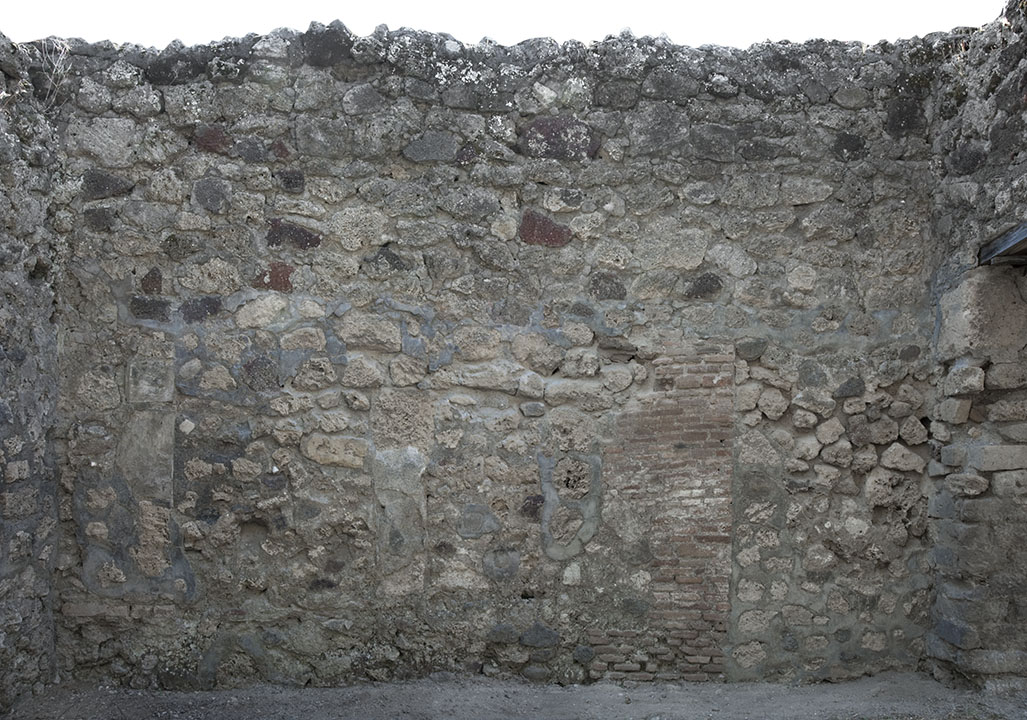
<point>894,696</point>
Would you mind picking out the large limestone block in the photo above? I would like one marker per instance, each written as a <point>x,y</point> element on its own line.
<point>983,317</point>
<point>146,455</point>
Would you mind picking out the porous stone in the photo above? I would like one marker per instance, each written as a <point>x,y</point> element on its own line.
<point>899,457</point>
<point>262,312</point>
<point>964,380</point>
<point>335,450</point>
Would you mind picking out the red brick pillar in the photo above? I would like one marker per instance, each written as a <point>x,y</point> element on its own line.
<point>672,461</point>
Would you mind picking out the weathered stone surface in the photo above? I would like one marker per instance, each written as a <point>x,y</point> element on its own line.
<point>899,457</point>
<point>966,484</point>
<point>999,457</point>
<point>964,380</point>
<point>433,146</point>
<point>369,332</point>
<point>983,317</point>
<point>628,323</point>
<point>912,431</point>
<point>560,138</point>
<point>953,410</point>
<point>150,381</point>
<point>281,232</point>
<point>335,450</point>
<point>145,455</point>
<point>537,229</point>
<point>262,312</point>
<point>97,184</point>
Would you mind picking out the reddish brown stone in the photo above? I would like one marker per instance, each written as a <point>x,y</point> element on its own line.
<point>152,282</point>
<point>212,139</point>
<point>281,231</point>
<point>560,138</point>
<point>276,277</point>
<point>537,229</point>
<point>280,150</point>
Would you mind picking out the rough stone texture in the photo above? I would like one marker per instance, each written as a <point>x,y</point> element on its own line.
<point>30,252</point>
<point>384,355</point>
<point>979,515</point>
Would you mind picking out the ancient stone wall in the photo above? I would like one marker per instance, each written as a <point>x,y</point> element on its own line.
<point>29,252</point>
<point>386,355</point>
<point>979,471</point>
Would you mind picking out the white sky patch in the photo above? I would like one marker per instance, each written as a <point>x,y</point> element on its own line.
<point>737,23</point>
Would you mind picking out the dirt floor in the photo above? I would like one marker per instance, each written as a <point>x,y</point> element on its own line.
<point>894,696</point>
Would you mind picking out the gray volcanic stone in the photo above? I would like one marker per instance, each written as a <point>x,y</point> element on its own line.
<point>560,138</point>
<point>540,636</point>
<point>97,184</point>
<point>433,146</point>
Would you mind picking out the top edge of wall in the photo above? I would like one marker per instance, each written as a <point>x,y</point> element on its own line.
<point>327,45</point>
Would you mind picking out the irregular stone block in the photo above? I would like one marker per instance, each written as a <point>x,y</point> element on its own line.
<point>540,636</point>
<point>362,372</point>
<point>97,184</point>
<point>317,373</point>
<point>282,231</point>
<point>560,138</point>
<point>829,431</point>
<point>150,308</point>
<point>112,142</point>
<point>537,229</point>
<point>953,455</point>
<point>605,286</point>
<point>199,309</point>
<point>750,348</point>
<point>732,258</point>
<point>362,99</point>
<point>212,194</point>
<point>1007,410</point>
<point>401,418</point>
<point>406,370</point>
<point>334,450</point>
<point>1006,376</point>
<point>838,453</point>
<point>772,403</point>
<point>587,394</point>
<point>853,387</point>
<point>261,312</point>
<point>966,484</point>
<point>899,457</point>
<point>913,431</point>
<point>397,480</point>
<point>432,147</point>
<point>373,332</point>
<point>755,449</point>
<point>277,277</point>
<point>964,381</point>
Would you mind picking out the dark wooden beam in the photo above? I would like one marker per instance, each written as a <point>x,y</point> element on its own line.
<point>1009,243</point>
